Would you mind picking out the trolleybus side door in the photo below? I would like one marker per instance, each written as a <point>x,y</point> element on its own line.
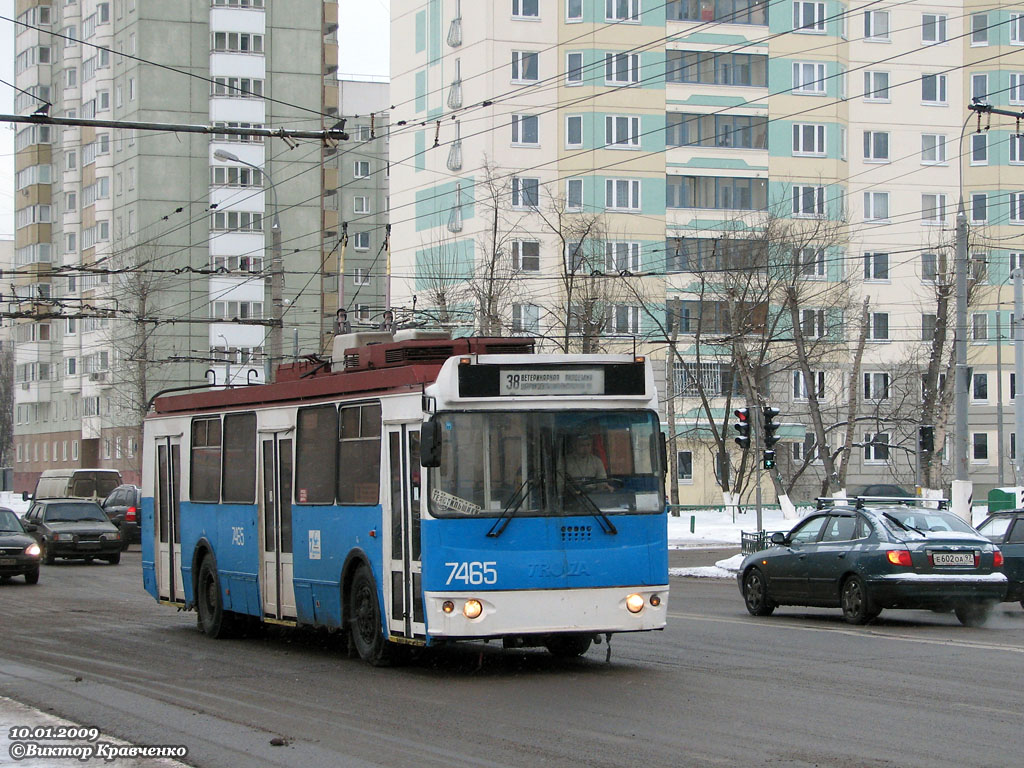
<point>167,522</point>
<point>276,559</point>
<point>405,593</point>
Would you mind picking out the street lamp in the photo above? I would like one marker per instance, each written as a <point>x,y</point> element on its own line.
<point>276,273</point>
<point>227,361</point>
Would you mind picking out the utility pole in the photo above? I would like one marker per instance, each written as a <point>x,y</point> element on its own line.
<point>1018,393</point>
<point>962,488</point>
<point>1001,474</point>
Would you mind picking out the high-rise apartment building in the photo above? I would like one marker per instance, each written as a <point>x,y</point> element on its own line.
<point>616,174</point>
<point>147,254</point>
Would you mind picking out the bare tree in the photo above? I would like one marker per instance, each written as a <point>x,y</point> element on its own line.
<point>6,403</point>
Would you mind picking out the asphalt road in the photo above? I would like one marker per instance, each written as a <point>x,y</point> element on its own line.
<point>718,687</point>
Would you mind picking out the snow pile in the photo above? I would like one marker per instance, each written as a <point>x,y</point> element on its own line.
<point>723,569</point>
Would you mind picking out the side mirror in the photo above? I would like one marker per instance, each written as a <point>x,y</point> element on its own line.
<point>663,452</point>
<point>430,444</point>
<point>25,496</point>
<point>778,538</point>
<point>30,527</point>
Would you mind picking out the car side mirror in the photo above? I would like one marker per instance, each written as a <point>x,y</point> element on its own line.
<point>25,495</point>
<point>778,538</point>
<point>30,527</point>
<point>430,444</point>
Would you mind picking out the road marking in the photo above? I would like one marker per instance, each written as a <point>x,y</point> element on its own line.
<point>873,633</point>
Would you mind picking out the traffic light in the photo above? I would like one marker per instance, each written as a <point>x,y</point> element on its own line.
<point>768,459</point>
<point>926,438</point>
<point>770,439</point>
<point>742,426</point>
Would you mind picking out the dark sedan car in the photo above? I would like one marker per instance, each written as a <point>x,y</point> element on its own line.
<point>122,507</point>
<point>19,553</point>
<point>865,558</point>
<point>1006,529</point>
<point>73,529</point>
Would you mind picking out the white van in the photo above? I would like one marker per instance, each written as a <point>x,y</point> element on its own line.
<point>95,484</point>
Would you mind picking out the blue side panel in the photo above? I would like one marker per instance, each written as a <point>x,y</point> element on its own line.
<point>233,535</point>
<point>547,553</point>
<point>322,538</point>
<point>148,548</point>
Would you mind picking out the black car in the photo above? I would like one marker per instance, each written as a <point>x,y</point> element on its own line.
<point>73,529</point>
<point>1006,529</point>
<point>123,507</point>
<point>19,552</point>
<point>864,558</point>
<point>883,489</point>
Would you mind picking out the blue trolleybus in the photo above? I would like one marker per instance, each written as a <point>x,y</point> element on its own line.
<point>424,491</point>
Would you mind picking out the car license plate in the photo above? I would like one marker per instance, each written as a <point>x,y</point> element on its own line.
<point>953,558</point>
<point>89,544</point>
<point>8,561</point>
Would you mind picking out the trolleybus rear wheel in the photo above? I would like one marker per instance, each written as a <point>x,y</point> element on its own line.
<point>568,646</point>
<point>213,619</point>
<point>364,620</point>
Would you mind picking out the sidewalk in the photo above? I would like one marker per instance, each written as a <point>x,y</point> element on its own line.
<point>16,715</point>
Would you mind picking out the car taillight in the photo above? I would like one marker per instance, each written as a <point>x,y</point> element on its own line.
<point>997,559</point>
<point>899,557</point>
<point>130,514</point>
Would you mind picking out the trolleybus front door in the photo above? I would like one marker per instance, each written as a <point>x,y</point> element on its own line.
<point>276,562</point>
<point>167,510</point>
<point>406,583</point>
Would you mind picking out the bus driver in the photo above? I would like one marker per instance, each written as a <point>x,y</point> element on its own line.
<point>583,464</point>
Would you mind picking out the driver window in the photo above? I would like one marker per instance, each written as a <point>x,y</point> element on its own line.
<point>809,531</point>
<point>1017,534</point>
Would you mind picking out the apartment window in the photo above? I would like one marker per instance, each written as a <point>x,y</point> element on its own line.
<point>979,447</point>
<point>979,327</point>
<point>979,87</point>
<point>360,204</point>
<point>811,262</point>
<point>933,149</point>
<point>979,387</point>
<point>979,149</point>
<point>876,86</point>
<point>622,10</point>
<point>685,129</point>
<point>237,310</point>
<point>684,466</point>
<point>800,389</point>
<point>876,386</point>
<point>237,42</point>
<point>525,130</point>
<point>809,139</point>
<point>622,194</point>
<point>574,10</point>
<point>525,192</point>
<point>927,327</point>
<point>718,192</point>
<point>526,255</point>
<point>979,207</point>
<point>933,28</point>
<point>574,194</point>
<point>524,66</point>
<point>876,448</point>
<point>525,318</point>
<point>574,68</point>
<point>1016,92</point>
<point>1016,29</point>
<point>812,323</point>
<point>808,200</point>
<point>876,206</point>
<point>933,89</point>
<point>878,326</point>
<point>808,17</point>
<point>574,131</point>
<point>876,146</point>
<point>929,267</point>
<point>622,256</point>
<point>622,132</point>
<point>624,319</point>
<point>238,221</point>
<point>235,87</point>
<point>361,169</point>
<point>933,209</point>
<point>979,29</point>
<point>876,26</point>
<point>809,77</point>
<point>525,9</point>
<point>70,77</point>
<point>707,68</point>
<point>361,241</point>
<point>622,68</point>
<point>876,266</point>
<point>361,276</point>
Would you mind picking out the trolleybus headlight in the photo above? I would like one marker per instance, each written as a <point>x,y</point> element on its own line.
<point>447,606</point>
<point>655,601</point>
<point>472,609</point>
<point>634,603</point>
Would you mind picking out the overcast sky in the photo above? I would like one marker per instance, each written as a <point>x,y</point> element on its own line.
<point>363,53</point>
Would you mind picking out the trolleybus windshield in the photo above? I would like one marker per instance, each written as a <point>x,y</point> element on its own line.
<point>547,463</point>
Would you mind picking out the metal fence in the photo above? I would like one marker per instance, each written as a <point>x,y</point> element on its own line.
<point>752,541</point>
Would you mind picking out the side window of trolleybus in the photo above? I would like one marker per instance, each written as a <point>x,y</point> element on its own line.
<point>547,463</point>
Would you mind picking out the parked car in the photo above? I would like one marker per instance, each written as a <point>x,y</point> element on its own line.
<point>1006,529</point>
<point>864,558</point>
<point>73,529</point>
<point>123,507</point>
<point>884,489</point>
<point>93,484</point>
<point>19,552</point>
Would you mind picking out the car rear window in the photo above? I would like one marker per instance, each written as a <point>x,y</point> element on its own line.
<point>74,512</point>
<point>927,520</point>
<point>99,484</point>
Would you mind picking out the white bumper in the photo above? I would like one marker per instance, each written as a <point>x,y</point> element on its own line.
<point>541,611</point>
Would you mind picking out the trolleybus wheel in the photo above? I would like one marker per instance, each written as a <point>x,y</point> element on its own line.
<point>568,646</point>
<point>364,620</point>
<point>213,619</point>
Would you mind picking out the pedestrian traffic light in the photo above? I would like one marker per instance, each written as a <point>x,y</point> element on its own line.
<point>770,438</point>
<point>768,459</point>
<point>742,426</point>
<point>926,438</point>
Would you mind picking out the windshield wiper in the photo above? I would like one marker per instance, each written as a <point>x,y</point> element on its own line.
<point>59,520</point>
<point>510,509</point>
<point>606,524</point>
<point>901,524</point>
